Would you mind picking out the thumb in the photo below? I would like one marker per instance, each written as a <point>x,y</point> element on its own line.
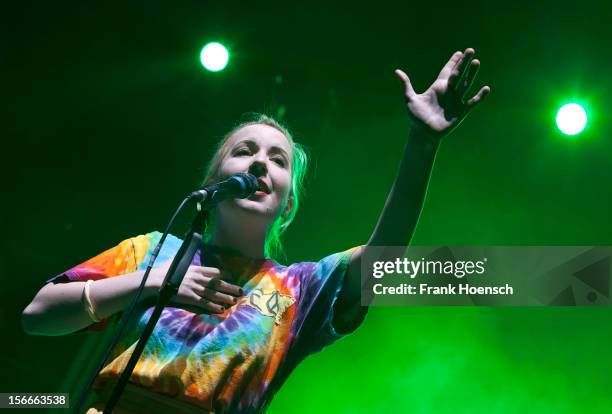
<point>410,93</point>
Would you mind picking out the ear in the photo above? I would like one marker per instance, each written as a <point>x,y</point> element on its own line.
<point>288,206</point>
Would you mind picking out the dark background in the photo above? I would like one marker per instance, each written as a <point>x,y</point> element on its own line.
<point>108,120</point>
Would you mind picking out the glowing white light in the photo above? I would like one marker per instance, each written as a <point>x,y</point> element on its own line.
<point>571,119</point>
<point>214,56</point>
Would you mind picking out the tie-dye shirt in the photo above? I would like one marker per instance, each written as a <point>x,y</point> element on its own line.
<point>232,362</point>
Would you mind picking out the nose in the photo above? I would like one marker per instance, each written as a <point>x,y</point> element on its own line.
<point>258,168</point>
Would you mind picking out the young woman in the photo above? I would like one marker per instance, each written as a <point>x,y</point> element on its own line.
<point>241,322</point>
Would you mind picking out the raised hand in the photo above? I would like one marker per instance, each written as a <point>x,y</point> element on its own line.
<point>445,103</point>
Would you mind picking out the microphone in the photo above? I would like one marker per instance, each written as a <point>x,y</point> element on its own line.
<point>241,185</point>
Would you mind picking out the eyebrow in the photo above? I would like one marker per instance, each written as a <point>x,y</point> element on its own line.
<point>274,148</point>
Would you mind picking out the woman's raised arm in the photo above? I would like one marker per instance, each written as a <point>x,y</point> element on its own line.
<point>434,114</point>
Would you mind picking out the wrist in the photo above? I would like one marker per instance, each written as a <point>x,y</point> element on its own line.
<point>88,304</point>
<point>152,285</point>
<point>424,137</point>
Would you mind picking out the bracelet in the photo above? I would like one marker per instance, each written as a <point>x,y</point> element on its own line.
<point>87,303</point>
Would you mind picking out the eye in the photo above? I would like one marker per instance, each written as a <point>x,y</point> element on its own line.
<point>278,160</point>
<point>242,151</point>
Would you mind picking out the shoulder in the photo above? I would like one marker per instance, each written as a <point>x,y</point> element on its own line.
<point>318,272</point>
<point>325,265</point>
<point>153,237</point>
<point>143,247</point>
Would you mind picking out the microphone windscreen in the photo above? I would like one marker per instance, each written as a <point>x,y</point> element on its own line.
<point>248,182</point>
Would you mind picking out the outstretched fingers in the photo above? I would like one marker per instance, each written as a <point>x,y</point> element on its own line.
<point>469,77</point>
<point>409,91</point>
<point>458,70</point>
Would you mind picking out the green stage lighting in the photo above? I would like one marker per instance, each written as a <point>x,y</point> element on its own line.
<point>214,56</point>
<point>571,119</point>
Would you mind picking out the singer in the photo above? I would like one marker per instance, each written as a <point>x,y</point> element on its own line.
<point>241,321</point>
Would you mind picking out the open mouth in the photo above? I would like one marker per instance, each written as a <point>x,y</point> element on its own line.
<point>262,187</point>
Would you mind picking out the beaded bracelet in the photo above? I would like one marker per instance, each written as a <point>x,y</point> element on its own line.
<point>87,303</point>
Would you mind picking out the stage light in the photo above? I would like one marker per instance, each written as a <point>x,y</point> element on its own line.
<point>571,119</point>
<point>214,56</point>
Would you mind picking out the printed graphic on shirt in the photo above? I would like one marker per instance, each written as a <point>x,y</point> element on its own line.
<point>272,303</point>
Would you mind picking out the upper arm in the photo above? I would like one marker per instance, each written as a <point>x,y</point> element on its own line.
<point>352,282</point>
<point>348,310</point>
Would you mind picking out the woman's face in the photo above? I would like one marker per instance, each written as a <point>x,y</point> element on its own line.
<point>265,152</point>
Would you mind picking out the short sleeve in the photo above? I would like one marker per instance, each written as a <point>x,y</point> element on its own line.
<point>322,284</point>
<point>125,257</point>
<point>118,260</point>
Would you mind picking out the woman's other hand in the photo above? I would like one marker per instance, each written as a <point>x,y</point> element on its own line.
<point>202,287</point>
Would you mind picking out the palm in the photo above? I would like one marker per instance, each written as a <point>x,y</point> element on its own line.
<point>443,105</point>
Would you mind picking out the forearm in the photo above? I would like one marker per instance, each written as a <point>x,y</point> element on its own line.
<point>57,309</point>
<point>400,213</point>
<point>402,208</point>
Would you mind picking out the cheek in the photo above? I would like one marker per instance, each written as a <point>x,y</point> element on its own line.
<point>283,183</point>
<point>230,167</point>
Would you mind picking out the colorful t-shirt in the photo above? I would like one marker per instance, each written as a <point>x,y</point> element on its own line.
<point>232,362</point>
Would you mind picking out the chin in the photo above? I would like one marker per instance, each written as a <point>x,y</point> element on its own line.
<point>258,207</point>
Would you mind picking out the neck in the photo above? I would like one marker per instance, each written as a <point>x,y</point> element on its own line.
<point>240,233</point>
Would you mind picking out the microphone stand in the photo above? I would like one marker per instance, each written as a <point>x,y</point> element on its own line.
<point>169,288</point>
<point>240,185</point>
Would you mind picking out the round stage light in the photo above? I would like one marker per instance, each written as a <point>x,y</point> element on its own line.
<point>214,56</point>
<point>571,119</point>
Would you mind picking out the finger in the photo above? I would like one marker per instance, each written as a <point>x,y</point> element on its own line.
<point>209,306</point>
<point>207,271</point>
<point>448,68</point>
<point>216,297</point>
<point>468,55</point>
<point>213,272</point>
<point>468,81</point>
<point>458,70</point>
<point>194,303</point>
<point>482,93</point>
<point>408,90</point>
<point>224,287</point>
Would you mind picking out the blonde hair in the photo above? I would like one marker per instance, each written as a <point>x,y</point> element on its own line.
<point>273,247</point>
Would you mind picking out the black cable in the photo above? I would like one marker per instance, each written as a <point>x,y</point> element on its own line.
<point>127,315</point>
